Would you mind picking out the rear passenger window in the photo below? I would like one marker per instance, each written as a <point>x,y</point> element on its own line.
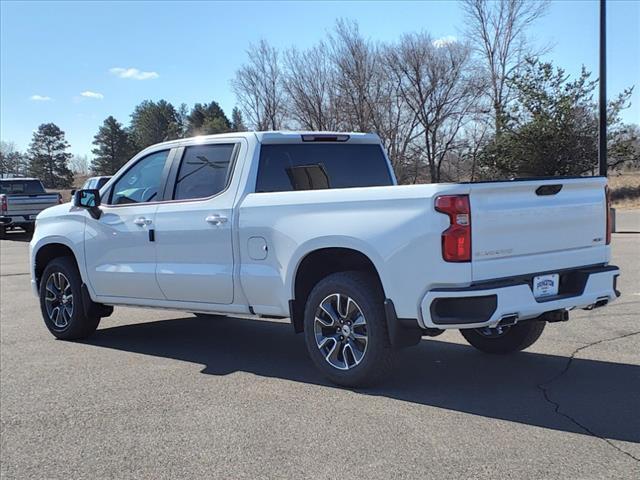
<point>204,171</point>
<point>288,167</point>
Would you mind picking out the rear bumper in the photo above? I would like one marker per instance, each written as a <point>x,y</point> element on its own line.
<point>510,300</point>
<point>16,220</point>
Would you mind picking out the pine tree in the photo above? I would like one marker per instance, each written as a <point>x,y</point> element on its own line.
<point>237,122</point>
<point>154,122</point>
<point>113,148</point>
<point>48,158</point>
<point>206,119</point>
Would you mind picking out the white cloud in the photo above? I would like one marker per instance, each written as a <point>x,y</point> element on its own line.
<point>90,94</point>
<point>133,73</point>
<point>442,41</point>
<point>40,98</point>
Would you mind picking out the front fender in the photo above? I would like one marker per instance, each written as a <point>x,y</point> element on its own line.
<point>66,229</point>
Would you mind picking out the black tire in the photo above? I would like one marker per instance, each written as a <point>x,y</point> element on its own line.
<point>3,231</point>
<point>376,361</point>
<point>78,325</point>
<point>513,339</point>
<point>29,229</point>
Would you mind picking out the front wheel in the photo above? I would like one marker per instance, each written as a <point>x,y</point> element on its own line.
<point>504,339</point>
<point>345,330</point>
<point>61,301</point>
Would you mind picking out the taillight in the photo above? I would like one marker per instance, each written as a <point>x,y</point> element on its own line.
<point>456,240</point>
<point>3,203</point>
<point>607,195</point>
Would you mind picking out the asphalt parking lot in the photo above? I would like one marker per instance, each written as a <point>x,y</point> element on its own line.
<point>157,394</point>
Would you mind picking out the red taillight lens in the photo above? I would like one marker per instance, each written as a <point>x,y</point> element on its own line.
<point>607,195</point>
<point>3,203</point>
<point>456,240</point>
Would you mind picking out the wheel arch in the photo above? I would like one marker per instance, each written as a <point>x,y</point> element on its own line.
<point>48,252</point>
<point>318,263</point>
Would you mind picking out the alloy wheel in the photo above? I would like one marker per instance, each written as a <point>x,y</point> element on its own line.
<point>340,330</point>
<point>59,300</point>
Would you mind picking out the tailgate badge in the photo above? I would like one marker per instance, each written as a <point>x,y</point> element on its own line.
<point>494,253</point>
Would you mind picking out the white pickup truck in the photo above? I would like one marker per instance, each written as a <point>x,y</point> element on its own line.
<point>312,226</point>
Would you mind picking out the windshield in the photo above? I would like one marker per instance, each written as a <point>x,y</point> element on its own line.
<point>21,187</point>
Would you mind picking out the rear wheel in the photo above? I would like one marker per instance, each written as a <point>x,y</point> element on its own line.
<point>504,339</point>
<point>61,301</point>
<point>29,228</point>
<point>345,330</point>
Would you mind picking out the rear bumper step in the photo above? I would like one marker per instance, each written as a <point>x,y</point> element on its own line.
<point>508,301</point>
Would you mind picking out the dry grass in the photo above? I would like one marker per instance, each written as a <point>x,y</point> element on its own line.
<point>625,189</point>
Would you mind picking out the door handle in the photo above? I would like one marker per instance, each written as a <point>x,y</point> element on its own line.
<point>216,219</point>
<point>141,221</point>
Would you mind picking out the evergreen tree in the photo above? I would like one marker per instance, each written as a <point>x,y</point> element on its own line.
<point>154,122</point>
<point>237,122</point>
<point>113,148</point>
<point>552,126</point>
<point>206,119</point>
<point>48,158</point>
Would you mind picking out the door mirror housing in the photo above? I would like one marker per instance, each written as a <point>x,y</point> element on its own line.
<point>88,199</point>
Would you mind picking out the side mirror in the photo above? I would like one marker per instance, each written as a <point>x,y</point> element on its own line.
<point>89,199</point>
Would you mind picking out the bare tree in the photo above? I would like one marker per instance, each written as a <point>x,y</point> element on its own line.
<point>356,62</point>
<point>497,30</point>
<point>440,87</point>
<point>12,161</point>
<point>310,82</point>
<point>258,87</point>
<point>79,165</point>
<point>395,123</point>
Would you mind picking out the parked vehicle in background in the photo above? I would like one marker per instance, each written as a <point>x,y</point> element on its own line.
<point>312,226</point>
<point>95,183</point>
<point>21,200</point>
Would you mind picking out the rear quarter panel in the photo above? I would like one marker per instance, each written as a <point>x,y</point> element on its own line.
<point>396,227</point>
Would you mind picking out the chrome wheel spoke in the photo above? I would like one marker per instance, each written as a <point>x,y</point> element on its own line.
<point>359,336</point>
<point>330,312</point>
<point>352,310</point>
<point>352,354</point>
<point>359,321</point>
<point>333,357</point>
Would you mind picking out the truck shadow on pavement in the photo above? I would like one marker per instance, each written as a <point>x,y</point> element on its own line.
<point>601,396</point>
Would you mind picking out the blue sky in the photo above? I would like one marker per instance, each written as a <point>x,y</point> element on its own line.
<point>119,54</point>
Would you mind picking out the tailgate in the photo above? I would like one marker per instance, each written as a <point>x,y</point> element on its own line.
<point>534,226</point>
<point>20,205</point>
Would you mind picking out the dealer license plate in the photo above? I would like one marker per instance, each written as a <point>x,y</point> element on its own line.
<point>546,285</point>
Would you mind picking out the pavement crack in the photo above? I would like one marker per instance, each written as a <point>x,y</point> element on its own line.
<point>545,387</point>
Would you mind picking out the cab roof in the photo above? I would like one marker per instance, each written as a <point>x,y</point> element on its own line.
<point>276,137</point>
